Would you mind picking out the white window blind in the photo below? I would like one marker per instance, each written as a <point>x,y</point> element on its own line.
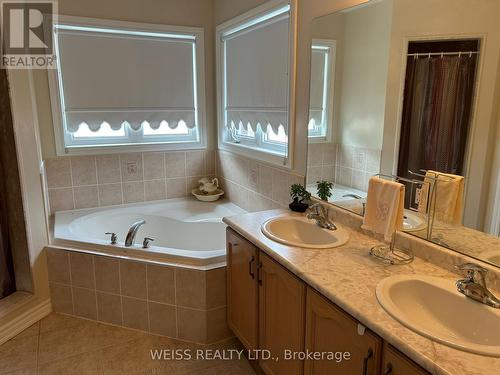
<point>127,86</point>
<point>320,88</point>
<point>256,66</point>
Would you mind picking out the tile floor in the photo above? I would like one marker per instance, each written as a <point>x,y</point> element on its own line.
<point>60,344</point>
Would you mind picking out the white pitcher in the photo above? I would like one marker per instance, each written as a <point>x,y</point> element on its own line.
<point>208,186</point>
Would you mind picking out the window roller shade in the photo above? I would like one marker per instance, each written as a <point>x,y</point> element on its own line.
<point>257,87</point>
<point>316,101</point>
<point>118,78</point>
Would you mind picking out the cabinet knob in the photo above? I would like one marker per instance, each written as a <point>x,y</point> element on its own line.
<point>388,369</point>
<point>250,267</point>
<point>369,355</point>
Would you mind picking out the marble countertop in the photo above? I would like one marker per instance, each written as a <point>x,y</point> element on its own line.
<point>348,276</point>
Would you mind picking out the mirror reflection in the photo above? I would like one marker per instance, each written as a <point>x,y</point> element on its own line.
<point>396,94</point>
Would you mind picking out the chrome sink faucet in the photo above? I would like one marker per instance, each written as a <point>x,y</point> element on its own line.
<point>320,214</point>
<point>132,231</point>
<point>474,285</point>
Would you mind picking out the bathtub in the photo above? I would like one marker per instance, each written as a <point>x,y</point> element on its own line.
<point>186,232</point>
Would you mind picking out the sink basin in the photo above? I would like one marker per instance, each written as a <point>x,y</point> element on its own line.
<point>432,307</point>
<point>302,232</point>
<point>413,221</point>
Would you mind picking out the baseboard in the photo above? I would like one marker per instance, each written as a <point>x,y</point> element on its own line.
<point>24,320</point>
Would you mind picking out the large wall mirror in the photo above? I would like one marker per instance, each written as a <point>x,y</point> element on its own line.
<point>410,90</point>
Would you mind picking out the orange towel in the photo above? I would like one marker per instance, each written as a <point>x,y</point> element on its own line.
<point>384,207</point>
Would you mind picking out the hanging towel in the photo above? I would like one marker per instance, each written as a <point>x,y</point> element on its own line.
<point>448,197</point>
<point>384,207</point>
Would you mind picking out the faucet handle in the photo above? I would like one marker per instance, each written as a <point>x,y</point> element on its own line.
<point>114,237</point>
<point>472,269</point>
<point>146,241</point>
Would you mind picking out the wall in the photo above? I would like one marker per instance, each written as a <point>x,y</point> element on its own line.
<point>169,12</point>
<point>428,19</point>
<point>367,33</point>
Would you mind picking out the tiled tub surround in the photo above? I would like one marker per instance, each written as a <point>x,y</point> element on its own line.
<point>104,180</point>
<point>342,164</point>
<point>348,277</point>
<point>176,302</point>
<point>252,185</point>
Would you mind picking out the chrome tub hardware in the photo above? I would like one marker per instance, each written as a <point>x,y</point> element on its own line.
<point>320,214</point>
<point>474,285</point>
<point>113,239</point>
<point>356,196</point>
<point>146,241</point>
<point>129,241</point>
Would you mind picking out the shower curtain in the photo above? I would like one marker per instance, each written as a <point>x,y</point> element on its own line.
<point>7,282</point>
<point>436,113</point>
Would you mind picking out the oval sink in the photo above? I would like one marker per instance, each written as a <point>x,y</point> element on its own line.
<point>413,221</point>
<point>303,232</point>
<point>432,307</point>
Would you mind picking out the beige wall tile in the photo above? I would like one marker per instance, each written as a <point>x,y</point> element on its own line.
<point>133,279</point>
<point>265,181</point>
<point>358,158</point>
<point>107,274</point>
<point>191,325</point>
<point>161,284</point>
<point>175,164</point>
<point>61,199</point>
<point>210,162</point>
<point>109,308</point>
<point>58,266</point>
<point>154,165</point>
<point>83,170</point>
<point>281,188</point>
<point>195,163</point>
<point>314,174</point>
<point>373,161</point>
<point>133,192</point>
<point>108,169</point>
<point>85,303</point>
<point>330,154</point>
<point>86,196</point>
<point>190,288</point>
<point>344,176</point>
<point>82,270</point>
<point>253,175</point>
<point>155,190</point>
<point>131,167</point>
<point>135,313</point>
<point>110,194</point>
<point>314,154</point>
<point>61,299</point>
<point>162,319</point>
<point>217,328</point>
<point>328,172</point>
<point>176,187</point>
<point>216,287</point>
<point>58,172</point>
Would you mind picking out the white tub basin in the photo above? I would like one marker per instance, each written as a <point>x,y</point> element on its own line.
<point>432,307</point>
<point>303,232</point>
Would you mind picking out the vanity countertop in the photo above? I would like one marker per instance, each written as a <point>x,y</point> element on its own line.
<point>348,276</point>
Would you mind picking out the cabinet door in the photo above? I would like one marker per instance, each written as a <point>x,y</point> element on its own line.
<point>332,331</point>
<point>242,289</point>
<point>281,317</point>
<point>396,363</point>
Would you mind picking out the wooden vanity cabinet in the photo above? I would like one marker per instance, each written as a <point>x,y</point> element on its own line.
<point>242,289</point>
<point>396,363</point>
<point>330,329</point>
<point>281,317</point>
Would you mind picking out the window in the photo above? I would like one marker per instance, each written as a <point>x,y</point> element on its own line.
<point>321,95</point>
<point>126,84</point>
<point>253,61</point>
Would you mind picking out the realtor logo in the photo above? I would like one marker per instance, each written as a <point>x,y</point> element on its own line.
<point>27,34</point>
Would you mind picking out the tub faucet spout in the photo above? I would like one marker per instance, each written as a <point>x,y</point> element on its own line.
<point>132,231</point>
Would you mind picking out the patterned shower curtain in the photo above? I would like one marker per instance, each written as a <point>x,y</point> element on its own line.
<point>436,113</point>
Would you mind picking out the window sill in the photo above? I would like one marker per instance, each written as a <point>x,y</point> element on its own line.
<point>116,149</point>
<point>259,154</point>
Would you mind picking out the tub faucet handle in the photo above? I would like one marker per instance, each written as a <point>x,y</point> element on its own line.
<point>146,241</point>
<point>114,237</point>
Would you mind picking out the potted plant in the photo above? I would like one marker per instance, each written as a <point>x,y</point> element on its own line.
<point>324,189</point>
<point>299,195</point>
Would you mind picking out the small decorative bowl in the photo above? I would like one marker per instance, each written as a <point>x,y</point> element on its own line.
<point>207,197</point>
